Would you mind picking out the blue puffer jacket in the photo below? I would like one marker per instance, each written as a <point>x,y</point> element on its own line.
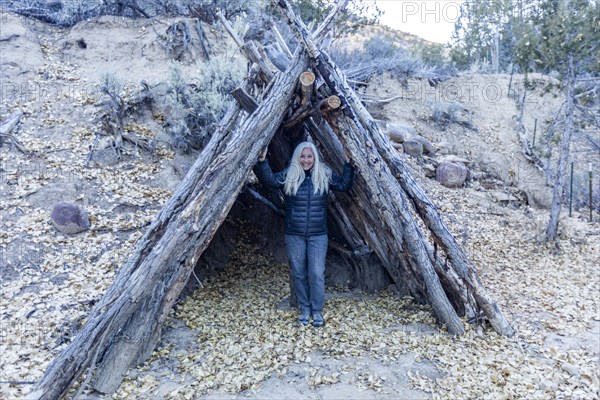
<point>306,212</point>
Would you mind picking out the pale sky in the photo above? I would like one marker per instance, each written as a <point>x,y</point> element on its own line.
<point>430,19</point>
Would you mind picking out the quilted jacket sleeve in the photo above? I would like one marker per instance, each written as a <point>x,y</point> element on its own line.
<point>266,176</point>
<point>343,183</point>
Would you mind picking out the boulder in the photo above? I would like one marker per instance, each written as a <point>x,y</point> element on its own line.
<point>427,146</point>
<point>451,174</point>
<point>539,197</point>
<point>396,136</point>
<point>69,218</point>
<point>504,198</point>
<point>399,132</point>
<point>413,148</point>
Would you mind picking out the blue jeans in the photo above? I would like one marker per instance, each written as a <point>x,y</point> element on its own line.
<point>307,262</point>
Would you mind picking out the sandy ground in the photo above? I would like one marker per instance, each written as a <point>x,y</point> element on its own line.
<point>232,339</point>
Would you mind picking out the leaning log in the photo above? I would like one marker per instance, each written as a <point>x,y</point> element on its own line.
<point>124,327</point>
<point>422,204</point>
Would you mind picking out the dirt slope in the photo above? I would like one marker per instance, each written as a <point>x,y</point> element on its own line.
<point>229,339</point>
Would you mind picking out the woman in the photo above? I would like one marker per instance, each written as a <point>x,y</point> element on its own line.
<point>305,184</point>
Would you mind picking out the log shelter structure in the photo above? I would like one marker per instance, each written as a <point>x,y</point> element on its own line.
<point>277,108</point>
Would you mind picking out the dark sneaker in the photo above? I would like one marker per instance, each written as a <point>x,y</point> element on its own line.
<point>318,320</point>
<point>304,318</point>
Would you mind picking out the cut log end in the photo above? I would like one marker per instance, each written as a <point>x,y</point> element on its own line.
<point>329,104</point>
<point>307,78</point>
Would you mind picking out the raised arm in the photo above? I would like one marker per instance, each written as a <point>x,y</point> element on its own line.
<point>266,176</point>
<point>343,183</point>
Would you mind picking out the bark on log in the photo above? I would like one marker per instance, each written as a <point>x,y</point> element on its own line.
<point>150,282</point>
<point>230,30</point>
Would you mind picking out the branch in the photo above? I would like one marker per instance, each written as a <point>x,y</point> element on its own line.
<point>230,30</point>
<point>280,41</point>
<point>11,122</point>
<point>321,30</point>
<point>263,200</point>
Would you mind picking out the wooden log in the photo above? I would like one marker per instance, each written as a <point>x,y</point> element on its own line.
<point>301,115</point>
<point>204,43</point>
<point>331,103</point>
<point>125,325</point>
<point>245,101</point>
<point>425,209</point>
<point>7,126</point>
<point>306,85</point>
<point>252,53</point>
<point>230,30</point>
<point>279,59</point>
<point>280,41</point>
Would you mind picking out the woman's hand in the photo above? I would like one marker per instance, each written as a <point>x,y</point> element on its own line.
<point>263,154</point>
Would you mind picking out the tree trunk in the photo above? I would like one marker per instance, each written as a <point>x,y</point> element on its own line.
<point>124,327</point>
<point>563,157</point>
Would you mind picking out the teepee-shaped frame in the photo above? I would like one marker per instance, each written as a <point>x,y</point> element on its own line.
<point>124,327</point>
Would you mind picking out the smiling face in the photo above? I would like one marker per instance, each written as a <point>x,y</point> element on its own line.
<point>307,158</point>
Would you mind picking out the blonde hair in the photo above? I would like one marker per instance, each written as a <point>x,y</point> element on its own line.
<point>295,174</point>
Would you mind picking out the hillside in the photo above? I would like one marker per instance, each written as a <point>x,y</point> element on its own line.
<point>375,345</point>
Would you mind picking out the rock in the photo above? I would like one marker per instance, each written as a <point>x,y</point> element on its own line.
<point>547,385</point>
<point>450,174</point>
<point>443,148</point>
<point>570,368</point>
<point>427,146</point>
<point>107,156</point>
<point>398,132</point>
<point>69,218</point>
<point>476,175</point>
<point>413,148</point>
<point>429,170</point>
<point>539,197</point>
<point>504,198</point>
<point>396,136</point>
